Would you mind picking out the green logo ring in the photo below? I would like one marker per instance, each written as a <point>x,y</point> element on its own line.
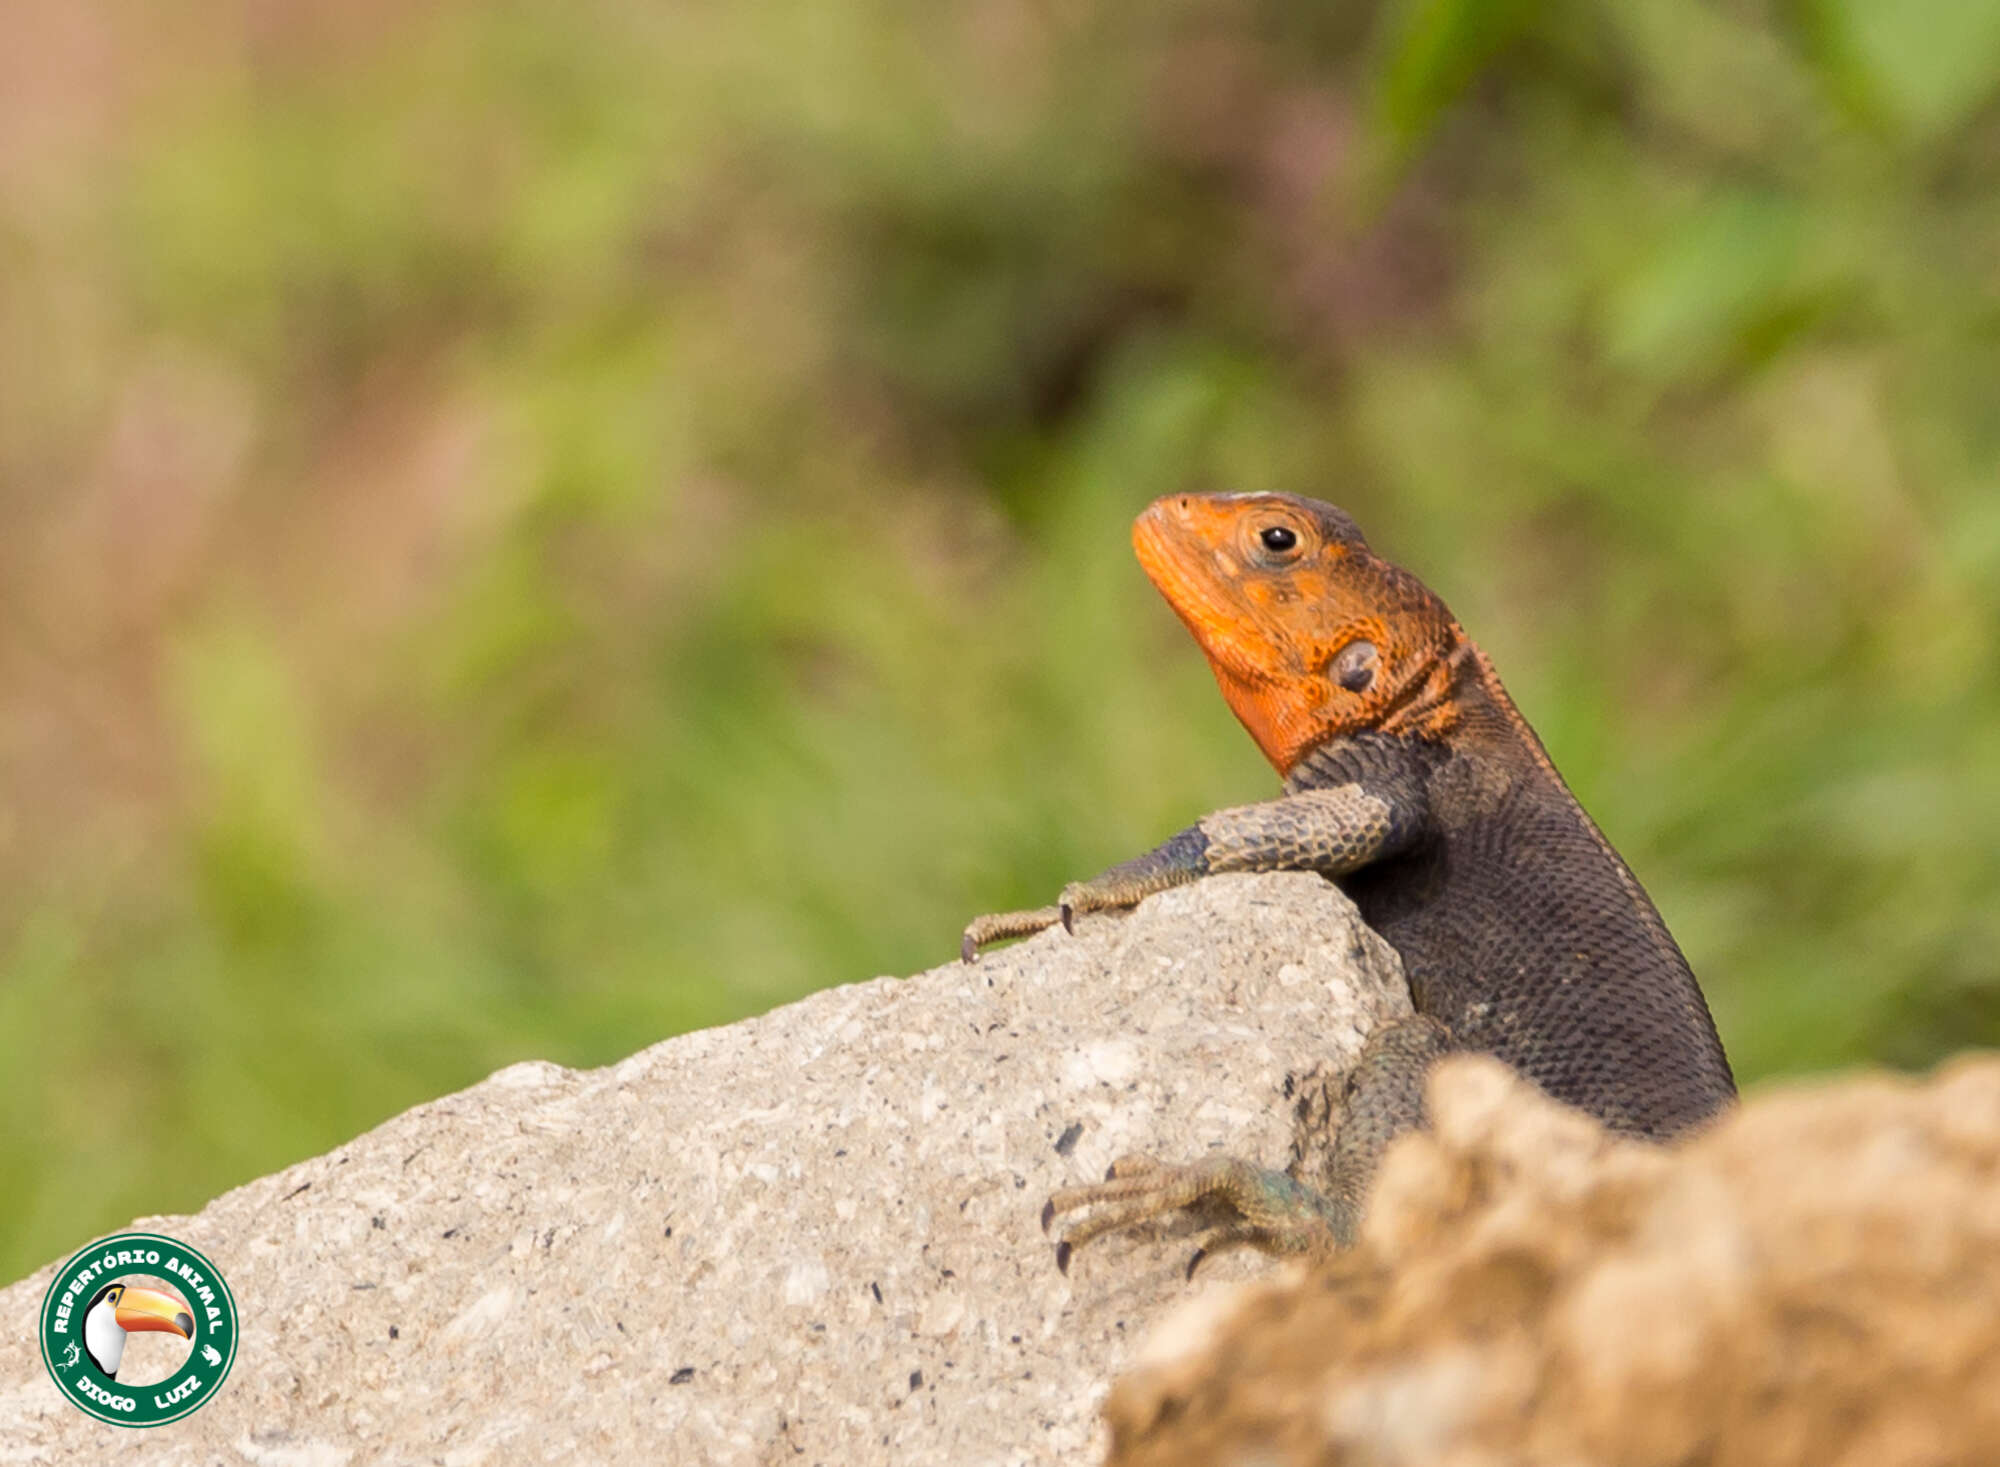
<point>95,1280</point>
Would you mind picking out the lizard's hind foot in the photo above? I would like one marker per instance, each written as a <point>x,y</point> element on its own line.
<point>1267,1210</point>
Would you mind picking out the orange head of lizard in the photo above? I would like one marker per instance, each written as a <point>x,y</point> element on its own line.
<point>1310,634</point>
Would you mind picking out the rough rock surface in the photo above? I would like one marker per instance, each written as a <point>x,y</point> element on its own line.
<point>1815,1282</point>
<point>812,1236</point>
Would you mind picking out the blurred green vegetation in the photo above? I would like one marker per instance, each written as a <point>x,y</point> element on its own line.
<point>526,529</point>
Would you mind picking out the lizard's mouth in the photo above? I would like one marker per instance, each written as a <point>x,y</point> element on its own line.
<point>1186,572</point>
<point>1198,575</point>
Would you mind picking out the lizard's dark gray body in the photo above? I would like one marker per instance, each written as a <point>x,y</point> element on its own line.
<point>1522,932</point>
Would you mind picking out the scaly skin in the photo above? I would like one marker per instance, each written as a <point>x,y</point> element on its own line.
<point>1413,781</point>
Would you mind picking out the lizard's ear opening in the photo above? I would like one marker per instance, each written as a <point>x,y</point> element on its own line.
<point>1355,665</point>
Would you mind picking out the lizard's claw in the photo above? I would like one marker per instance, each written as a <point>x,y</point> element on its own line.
<point>995,926</point>
<point>1086,896</point>
<point>1271,1212</point>
<point>1110,892</point>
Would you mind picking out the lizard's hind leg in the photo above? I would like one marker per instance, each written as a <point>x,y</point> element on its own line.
<point>1272,1211</point>
<point>1314,1206</point>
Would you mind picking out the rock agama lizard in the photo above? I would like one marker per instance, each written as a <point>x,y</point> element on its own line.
<point>1413,781</point>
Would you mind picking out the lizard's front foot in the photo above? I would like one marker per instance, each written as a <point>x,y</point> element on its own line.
<point>1120,887</point>
<point>1174,863</point>
<point>1273,1212</point>
<point>1078,897</point>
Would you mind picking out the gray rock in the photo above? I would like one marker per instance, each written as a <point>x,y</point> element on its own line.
<point>811,1236</point>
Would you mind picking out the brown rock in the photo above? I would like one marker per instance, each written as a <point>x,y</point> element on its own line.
<point>1816,1280</point>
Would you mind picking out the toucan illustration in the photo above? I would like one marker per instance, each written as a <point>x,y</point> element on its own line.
<point>117,1310</point>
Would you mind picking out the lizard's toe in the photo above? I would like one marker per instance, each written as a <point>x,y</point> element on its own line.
<point>997,926</point>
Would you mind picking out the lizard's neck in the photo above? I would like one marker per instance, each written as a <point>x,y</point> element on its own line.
<point>1487,713</point>
<point>1440,692</point>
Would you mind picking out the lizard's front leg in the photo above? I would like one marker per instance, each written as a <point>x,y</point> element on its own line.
<point>1330,830</point>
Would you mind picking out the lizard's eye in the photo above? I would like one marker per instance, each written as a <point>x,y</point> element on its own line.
<point>1354,667</point>
<point>1277,543</point>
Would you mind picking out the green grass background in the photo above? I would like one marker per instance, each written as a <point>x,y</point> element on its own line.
<point>525,529</point>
